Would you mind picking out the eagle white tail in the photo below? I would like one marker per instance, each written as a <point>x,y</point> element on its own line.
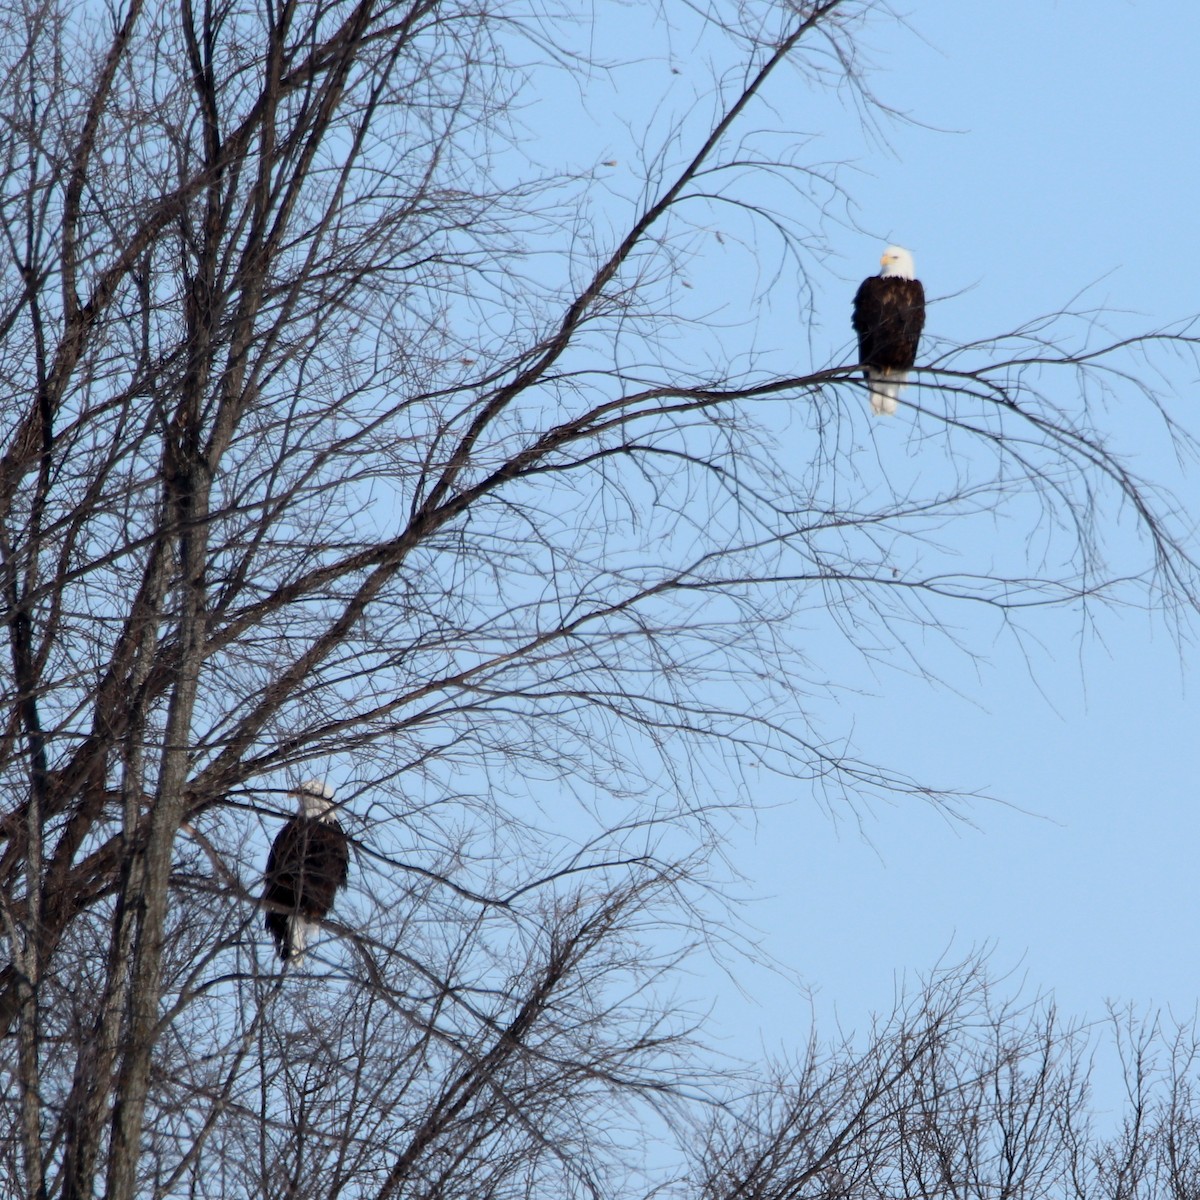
<point>298,930</point>
<point>885,390</point>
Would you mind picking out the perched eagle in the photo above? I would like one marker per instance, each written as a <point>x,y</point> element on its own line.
<point>309,861</point>
<point>889,313</point>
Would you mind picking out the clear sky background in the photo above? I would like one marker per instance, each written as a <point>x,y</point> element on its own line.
<point>1051,149</point>
<point>1056,151</point>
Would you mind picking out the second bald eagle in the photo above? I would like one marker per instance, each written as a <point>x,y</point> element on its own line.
<point>889,314</point>
<point>309,861</point>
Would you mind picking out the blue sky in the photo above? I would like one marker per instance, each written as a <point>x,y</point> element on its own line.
<point>1043,149</point>
<point>1056,149</point>
<point>1070,158</point>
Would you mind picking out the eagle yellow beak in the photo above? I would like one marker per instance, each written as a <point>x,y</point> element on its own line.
<point>884,259</point>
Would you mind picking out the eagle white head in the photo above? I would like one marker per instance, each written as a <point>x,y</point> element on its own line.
<point>897,263</point>
<point>316,799</point>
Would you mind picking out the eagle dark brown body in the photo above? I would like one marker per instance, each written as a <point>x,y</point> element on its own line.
<point>308,863</point>
<point>889,314</point>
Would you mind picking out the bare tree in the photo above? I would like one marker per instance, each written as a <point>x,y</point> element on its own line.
<point>962,1093</point>
<point>338,443</point>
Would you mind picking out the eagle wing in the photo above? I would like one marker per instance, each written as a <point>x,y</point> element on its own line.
<point>326,867</point>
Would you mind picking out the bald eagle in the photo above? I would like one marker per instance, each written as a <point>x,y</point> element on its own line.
<point>889,313</point>
<point>309,861</point>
